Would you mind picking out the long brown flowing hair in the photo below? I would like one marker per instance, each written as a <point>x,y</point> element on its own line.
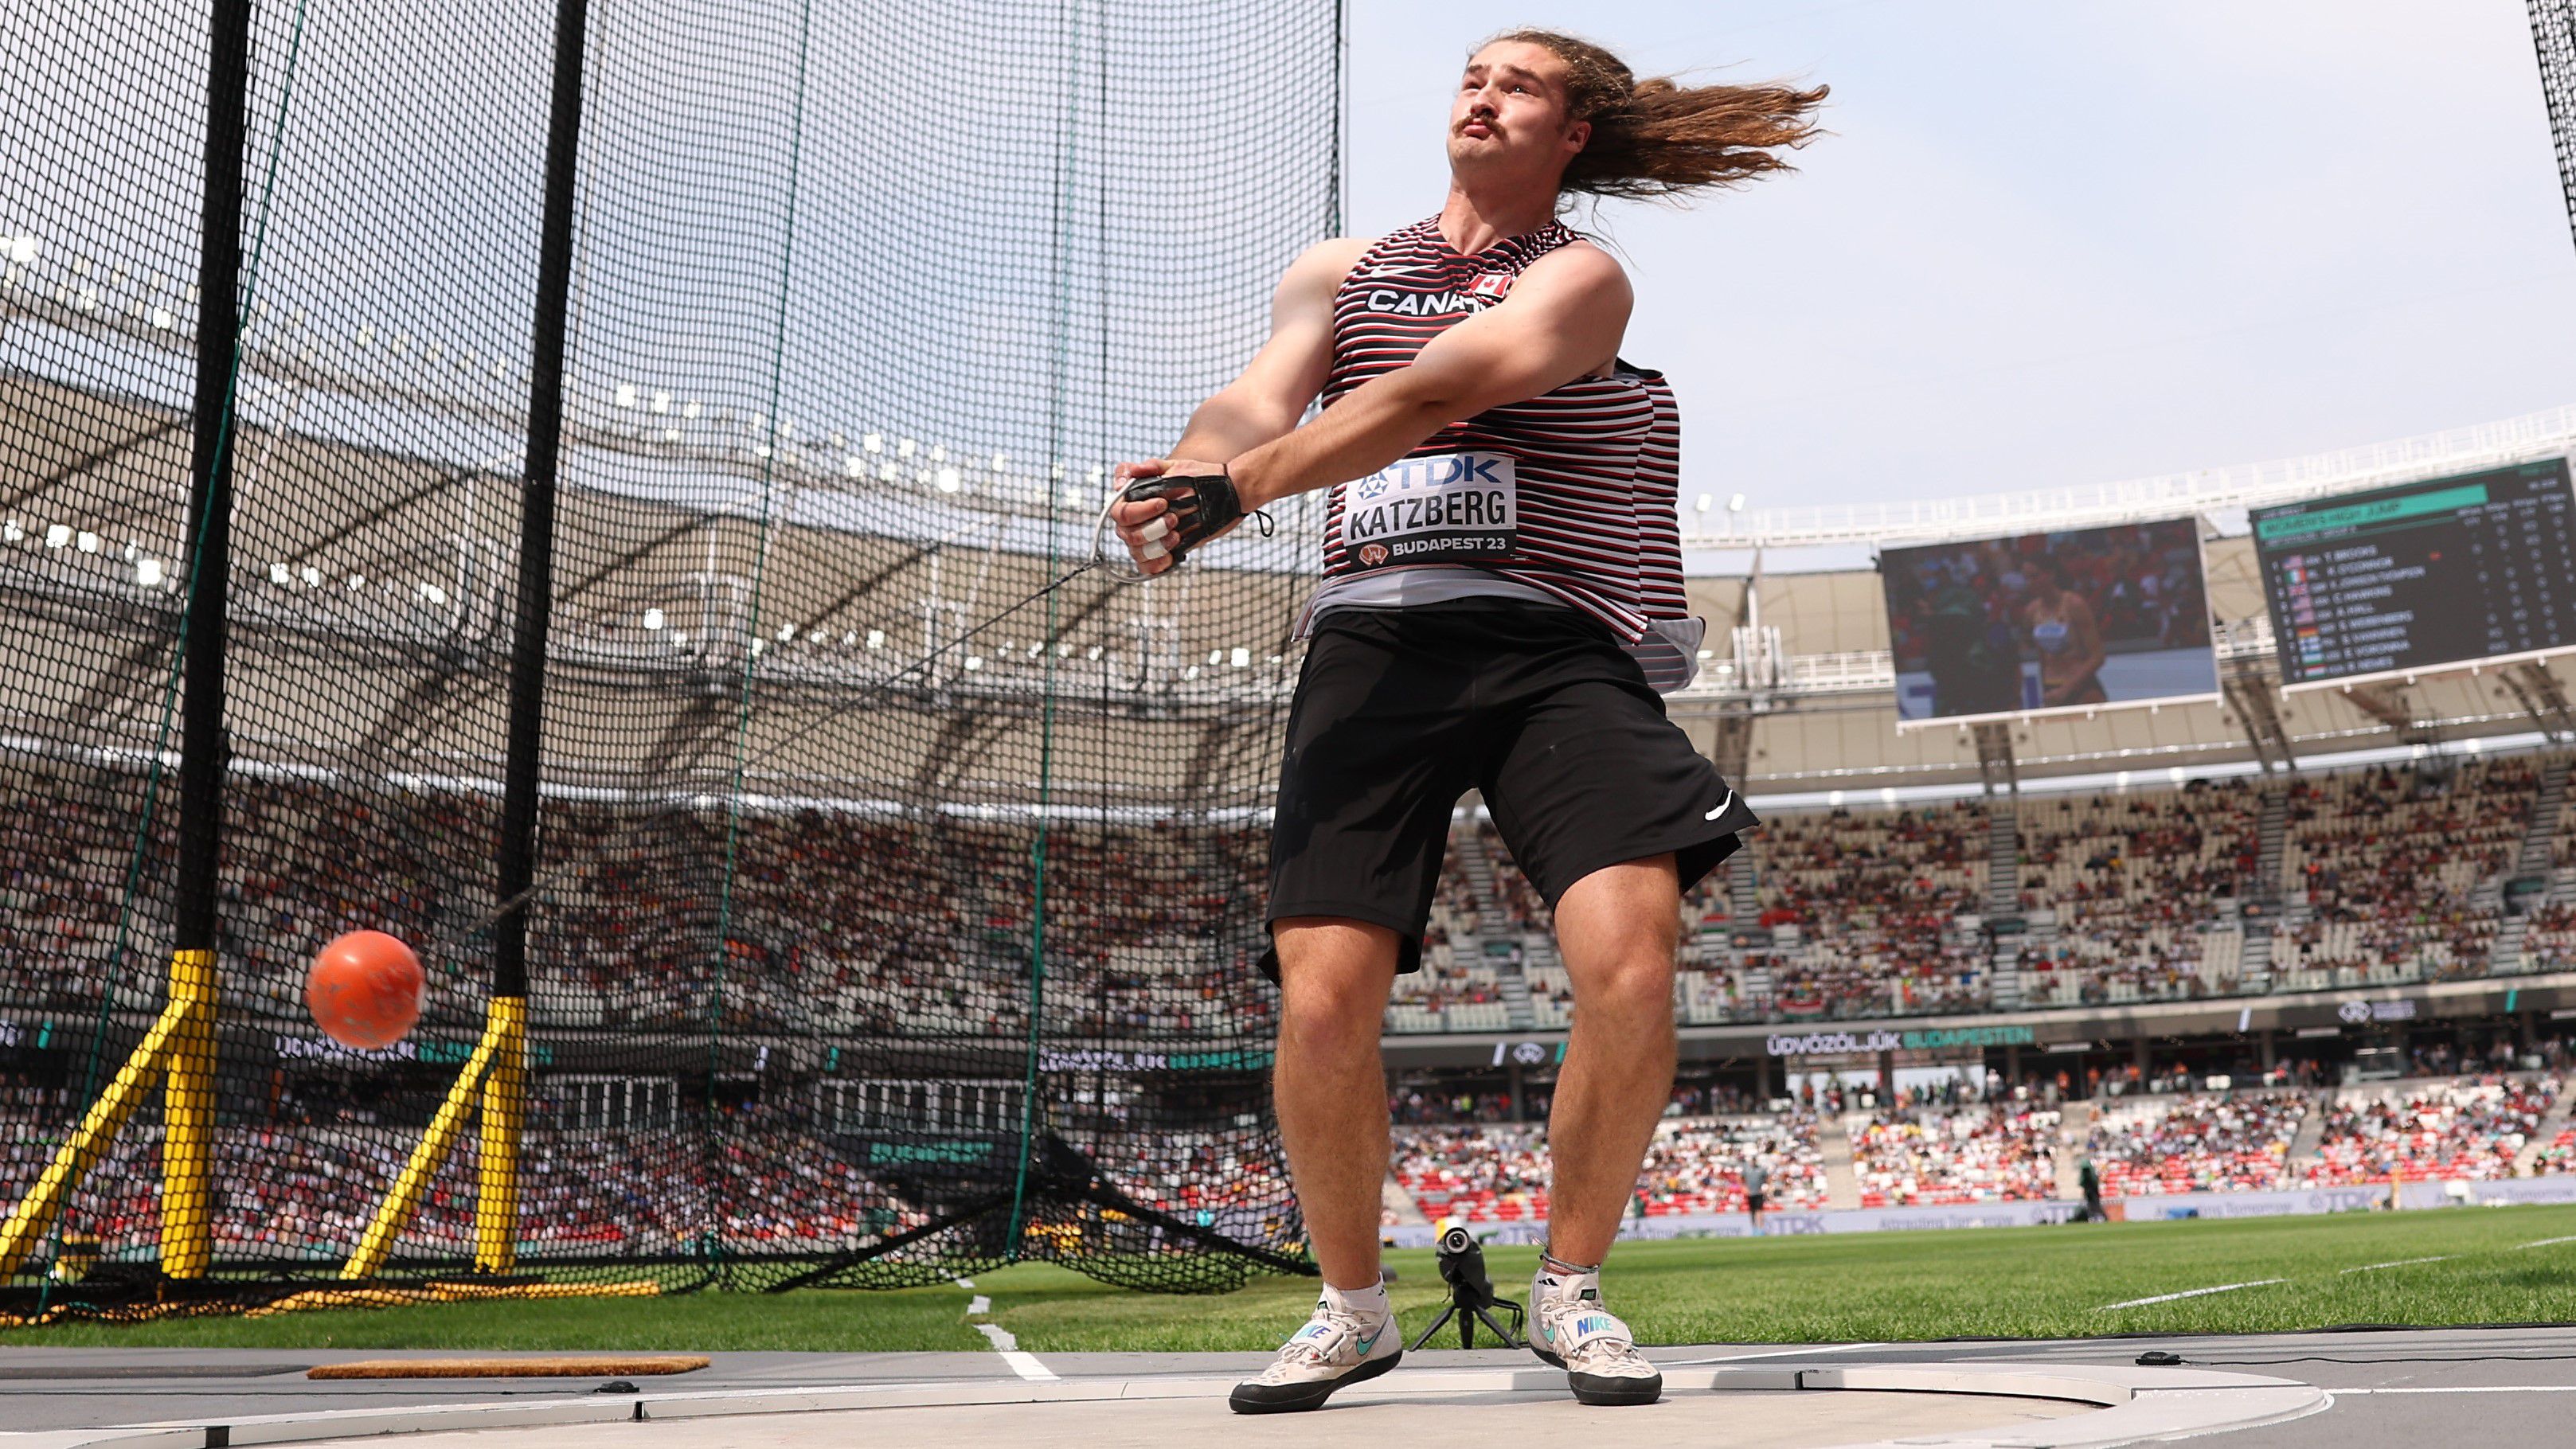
<point>1659,138</point>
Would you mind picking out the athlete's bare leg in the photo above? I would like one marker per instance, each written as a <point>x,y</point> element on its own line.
<point>1330,1084</point>
<point>1616,929</point>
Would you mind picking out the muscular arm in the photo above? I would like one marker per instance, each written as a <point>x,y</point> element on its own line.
<point>1563,320</point>
<point>1285,375</point>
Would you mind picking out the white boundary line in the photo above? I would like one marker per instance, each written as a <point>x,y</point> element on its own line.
<point>2543,1243</point>
<point>2467,1389</point>
<point>2190,1293</point>
<point>1813,1349</point>
<point>1024,1364</point>
<point>2400,1263</point>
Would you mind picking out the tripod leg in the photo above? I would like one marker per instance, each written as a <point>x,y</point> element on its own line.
<point>1445,1315</point>
<point>1509,1338</point>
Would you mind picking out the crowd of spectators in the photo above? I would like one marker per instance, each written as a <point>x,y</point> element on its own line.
<point>2158,1144</point>
<point>2133,879</point>
<point>1911,1156</point>
<point>1696,1164</point>
<point>1499,1173</point>
<point>303,1191</point>
<point>1414,1106</point>
<point>2549,939</point>
<point>2470,1129</point>
<point>1871,899</point>
<point>1523,911</point>
<point>2390,862</point>
<point>1457,987</point>
<point>1479,1173</point>
<point>912,926</point>
<point>922,924</point>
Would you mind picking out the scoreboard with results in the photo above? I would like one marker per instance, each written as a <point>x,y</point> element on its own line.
<point>2422,575</point>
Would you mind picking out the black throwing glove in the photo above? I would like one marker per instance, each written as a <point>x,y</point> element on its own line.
<point>1201,508</point>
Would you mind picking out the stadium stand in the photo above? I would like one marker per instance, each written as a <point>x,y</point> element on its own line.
<point>2470,1129</point>
<point>1457,989</point>
<point>1697,1164</point>
<point>1862,905</point>
<point>1480,1174</point>
<point>2004,1152</point>
<point>2195,1142</point>
<point>937,920</point>
<point>1486,1174</point>
<point>2134,880</point>
<point>2549,941</point>
<point>2386,867</point>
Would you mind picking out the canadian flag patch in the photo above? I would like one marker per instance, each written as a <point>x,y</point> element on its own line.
<point>1490,287</point>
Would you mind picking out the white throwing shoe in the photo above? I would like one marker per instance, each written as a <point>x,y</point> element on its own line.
<point>1336,1347</point>
<point>1571,1330</point>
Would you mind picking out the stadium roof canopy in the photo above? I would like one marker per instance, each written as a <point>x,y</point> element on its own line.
<point>377,501</point>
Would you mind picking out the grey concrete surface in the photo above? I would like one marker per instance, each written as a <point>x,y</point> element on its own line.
<point>1774,1419</point>
<point>2388,1389</point>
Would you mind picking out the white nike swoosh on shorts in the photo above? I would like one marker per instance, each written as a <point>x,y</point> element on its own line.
<point>1721,805</point>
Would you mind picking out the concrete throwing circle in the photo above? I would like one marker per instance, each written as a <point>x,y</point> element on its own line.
<point>1774,1419</point>
<point>1987,1404</point>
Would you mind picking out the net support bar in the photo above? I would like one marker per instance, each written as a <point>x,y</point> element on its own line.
<point>505,1099</point>
<point>181,1044</point>
<point>188,1119</point>
<point>504,1033</point>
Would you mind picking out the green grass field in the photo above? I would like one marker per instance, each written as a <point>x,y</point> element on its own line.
<point>2009,1283</point>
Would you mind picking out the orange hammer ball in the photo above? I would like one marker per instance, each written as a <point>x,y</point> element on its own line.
<point>364,989</point>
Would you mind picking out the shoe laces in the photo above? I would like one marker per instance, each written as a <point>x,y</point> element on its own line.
<point>1561,1306</point>
<point>1300,1349</point>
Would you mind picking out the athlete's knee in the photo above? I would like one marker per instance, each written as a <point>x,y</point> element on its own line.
<point>1333,979</point>
<point>1634,984</point>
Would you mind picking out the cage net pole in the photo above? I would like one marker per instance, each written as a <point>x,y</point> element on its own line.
<point>180,1047</point>
<point>504,1099</point>
<point>2553,39</point>
<point>187,1150</point>
<point>493,1083</point>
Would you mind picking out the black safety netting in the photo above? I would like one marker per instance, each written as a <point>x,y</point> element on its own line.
<point>897,879</point>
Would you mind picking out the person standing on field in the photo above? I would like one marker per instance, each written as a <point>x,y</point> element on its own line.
<point>1501,605</point>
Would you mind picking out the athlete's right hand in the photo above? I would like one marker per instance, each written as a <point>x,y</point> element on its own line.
<point>1194,502</point>
<point>1133,517</point>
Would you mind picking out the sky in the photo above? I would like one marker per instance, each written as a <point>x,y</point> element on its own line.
<point>2060,242</point>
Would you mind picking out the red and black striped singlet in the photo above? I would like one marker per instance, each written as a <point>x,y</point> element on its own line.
<point>1598,460</point>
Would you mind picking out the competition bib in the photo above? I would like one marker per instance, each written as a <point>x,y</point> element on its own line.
<point>1447,508</point>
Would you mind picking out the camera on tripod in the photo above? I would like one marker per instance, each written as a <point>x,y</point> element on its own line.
<point>1471,1292</point>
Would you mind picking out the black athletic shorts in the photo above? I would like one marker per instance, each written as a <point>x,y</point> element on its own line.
<point>1753,1202</point>
<point>1400,711</point>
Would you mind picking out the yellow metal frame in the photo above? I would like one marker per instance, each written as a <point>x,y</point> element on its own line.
<point>180,1051</point>
<point>180,1048</point>
<point>494,1079</point>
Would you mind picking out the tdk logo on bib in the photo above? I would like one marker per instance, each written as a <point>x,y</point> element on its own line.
<point>1447,508</point>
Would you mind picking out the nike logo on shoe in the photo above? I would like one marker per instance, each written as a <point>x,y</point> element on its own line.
<point>1721,805</point>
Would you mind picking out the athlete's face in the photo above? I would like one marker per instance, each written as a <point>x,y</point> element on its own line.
<point>1509,117</point>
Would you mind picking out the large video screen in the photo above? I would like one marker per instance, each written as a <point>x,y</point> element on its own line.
<point>2080,619</point>
<point>2422,575</point>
